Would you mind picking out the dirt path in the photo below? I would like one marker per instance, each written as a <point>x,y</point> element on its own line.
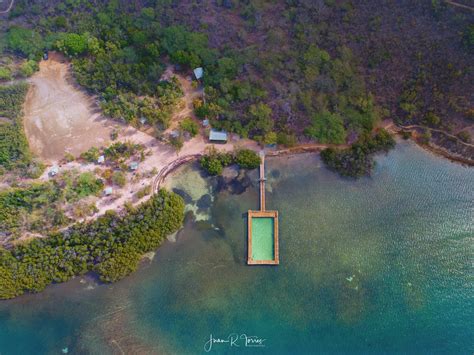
<point>8,8</point>
<point>414,126</point>
<point>459,5</point>
<point>59,118</point>
<point>163,159</point>
<point>189,94</point>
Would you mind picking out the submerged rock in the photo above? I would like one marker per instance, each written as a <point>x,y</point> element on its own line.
<point>203,225</point>
<point>275,174</point>
<point>205,201</point>
<point>229,173</point>
<point>186,197</point>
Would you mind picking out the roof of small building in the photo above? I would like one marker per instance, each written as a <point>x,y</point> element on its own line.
<point>101,159</point>
<point>133,165</point>
<point>217,135</point>
<point>198,72</point>
<point>174,134</point>
<point>54,169</point>
<point>205,123</point>
<point>108,190</point>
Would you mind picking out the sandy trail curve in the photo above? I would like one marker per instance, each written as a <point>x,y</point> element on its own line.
<point>8,8</point>
<point>60,118</point>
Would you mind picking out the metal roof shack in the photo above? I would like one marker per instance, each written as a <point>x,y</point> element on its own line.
<point>133,165</point>
<point>108,191</point>
<point>174,134</point>
<point>198,73</point>
<point>101,159</point>
<point>217,136</point>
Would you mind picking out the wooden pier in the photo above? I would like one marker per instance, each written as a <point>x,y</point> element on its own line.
<point>262,213</point>
<point>262,181</point>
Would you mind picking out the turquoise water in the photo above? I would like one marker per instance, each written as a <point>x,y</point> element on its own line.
<point>262,238</point>
<point>379,264</point>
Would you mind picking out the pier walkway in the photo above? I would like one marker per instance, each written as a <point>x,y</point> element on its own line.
<point>262,181</point>
<point>263,248</point>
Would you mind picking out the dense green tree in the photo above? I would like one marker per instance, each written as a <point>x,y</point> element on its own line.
<point>261,118</point>
<point>327,127</point>
<point>110,246</point>
<point>24,41</point>
<point>357,160</point>
<point>73,44</point>
<point>247,159</point>
<point>14,150</point>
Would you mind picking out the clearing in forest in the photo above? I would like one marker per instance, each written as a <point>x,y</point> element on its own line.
<point>60,118</point>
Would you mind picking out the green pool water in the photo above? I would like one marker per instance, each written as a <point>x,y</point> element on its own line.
<point>262,238</point>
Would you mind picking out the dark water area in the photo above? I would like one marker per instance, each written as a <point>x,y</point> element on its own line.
<point>381,264</point>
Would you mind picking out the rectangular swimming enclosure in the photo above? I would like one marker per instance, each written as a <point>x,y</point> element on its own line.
<point>263,238</point>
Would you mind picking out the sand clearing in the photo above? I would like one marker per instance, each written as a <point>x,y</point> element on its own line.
<point>60,118</point>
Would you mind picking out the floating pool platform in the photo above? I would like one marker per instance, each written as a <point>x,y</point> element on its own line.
<point>263,238</point>
<point>262,230</point>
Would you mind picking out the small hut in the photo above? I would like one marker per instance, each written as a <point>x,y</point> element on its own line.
<point>133,166</point>
<point>217,136</point>
<point>198,73</point>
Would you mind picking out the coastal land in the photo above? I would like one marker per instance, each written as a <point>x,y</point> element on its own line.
<point>63,125</point>
<point>98,109</point>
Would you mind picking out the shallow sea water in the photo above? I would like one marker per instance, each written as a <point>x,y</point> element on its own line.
<point>382,264</point>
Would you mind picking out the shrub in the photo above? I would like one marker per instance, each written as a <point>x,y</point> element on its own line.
<point>190,126</point>
<point>119,151</point>
<point>464,136</point>
<point>86,184</point>
<point>119,178</point>
<point>432,119</point>
<point>143,192</point>
<point>177,142</point>
<point>28,68</point>
<point>214,162</point>
<point>286,139</point>
<point>270,138</point>
<point>91,155</point>
<point>5,73</point>
<point>247,159</point>
<point>425,137</point>
<point>69,157</point>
